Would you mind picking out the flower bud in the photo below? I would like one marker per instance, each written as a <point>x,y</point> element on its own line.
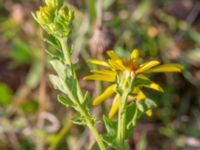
<point>54,3</point>
<point>45,15</point>
<point>66,14</point>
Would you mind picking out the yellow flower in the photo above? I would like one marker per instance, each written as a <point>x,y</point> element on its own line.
<point>117,65</point>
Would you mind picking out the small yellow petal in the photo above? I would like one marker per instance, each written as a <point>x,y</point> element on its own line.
<point>109,91</point>
<point>146,66</point>
<point>154,86</point>
<point>166,68</point>
<point>112,55</point>
<point>149,112</point>
<point>109,78</point>
<point>114,107</point>
<point>98,62</point>
<point>134,55</point>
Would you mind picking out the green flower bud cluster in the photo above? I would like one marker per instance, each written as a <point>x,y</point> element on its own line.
<point>55,18</point>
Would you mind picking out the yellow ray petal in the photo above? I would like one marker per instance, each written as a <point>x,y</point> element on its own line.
<point>166,68</point>
<point>154,86</point>
<point>134,54</point>
<point>149,112</point>
<point>105,72</point>
<point>116,64</point>
<point>114,107</point>
<point>109,91</point>
<point>146,66</point>
<point>112,55</point>
<point>109,78</point>
<point>98,62</point>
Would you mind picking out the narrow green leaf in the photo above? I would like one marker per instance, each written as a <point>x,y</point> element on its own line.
<point>111,126</point>
<point>145,104</point>
<point>79,120</point>
<point>60,68</point>
<point>64,101</point>
<point>87,98</point>
<point>53,54</point>
<point>110,141</point>
<point>57,83</point>
<point>72,83</point>
<point>132,114</point>
<point>52,41</point>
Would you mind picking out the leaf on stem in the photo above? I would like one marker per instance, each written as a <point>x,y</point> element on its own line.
<point>60,68</point>
<point>79,120</point>
<point>57,83</point>
<point>64,101</point>
<point>145,104</point>
<point>111,128</point>
<point>87,98</point>
<point>51,40</point>
<point>132,114</point>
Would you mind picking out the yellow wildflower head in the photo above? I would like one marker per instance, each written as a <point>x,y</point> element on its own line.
<point>134,68</point>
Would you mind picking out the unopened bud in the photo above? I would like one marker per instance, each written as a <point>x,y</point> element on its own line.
<point>54,3</point>
<point>66,14</point>
<point>45,15</point>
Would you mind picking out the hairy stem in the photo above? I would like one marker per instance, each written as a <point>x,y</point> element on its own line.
<point>122,121</point>
<point>125,86</point>
<point>78,102</point>
<point>67,57</point>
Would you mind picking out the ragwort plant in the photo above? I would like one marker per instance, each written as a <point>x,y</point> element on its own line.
<point>128,77</point>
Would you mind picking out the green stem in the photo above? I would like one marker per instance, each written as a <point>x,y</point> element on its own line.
<point>89,122</point>
<point>126,87</point>
<point>122,120</point>
<point>95,133</point>
<point>68,61</point>
<point>66,52</point>
<point>82,110</point>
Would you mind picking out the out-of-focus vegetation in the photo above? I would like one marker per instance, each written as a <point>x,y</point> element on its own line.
<point>32,118</point>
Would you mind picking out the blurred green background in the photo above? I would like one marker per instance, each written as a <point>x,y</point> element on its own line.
<point>169,30</point>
